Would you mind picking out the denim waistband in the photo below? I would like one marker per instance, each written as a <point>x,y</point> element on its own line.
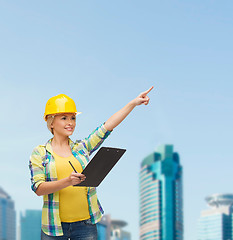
<point>87,221</point>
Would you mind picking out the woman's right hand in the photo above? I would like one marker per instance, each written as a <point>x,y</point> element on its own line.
<point>51,187</point>
<point>76,178</point>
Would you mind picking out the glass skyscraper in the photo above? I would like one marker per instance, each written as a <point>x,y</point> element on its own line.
<point>30,225</point>
<point>7,217</point>
<point>161,206</point>
<point>216,223</point>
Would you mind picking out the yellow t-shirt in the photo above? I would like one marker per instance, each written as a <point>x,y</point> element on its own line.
<point>73,204</point>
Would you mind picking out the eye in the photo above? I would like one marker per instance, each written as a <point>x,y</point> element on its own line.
<point>63,118</point>
<point>74,118</point>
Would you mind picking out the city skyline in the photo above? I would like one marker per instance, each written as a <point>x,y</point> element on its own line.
<point>103,54</point>
<point>29,225</point>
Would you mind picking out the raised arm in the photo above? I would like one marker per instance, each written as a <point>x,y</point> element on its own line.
<point>119,116</point>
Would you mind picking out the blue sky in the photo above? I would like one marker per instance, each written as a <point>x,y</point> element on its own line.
<point>103,54</point>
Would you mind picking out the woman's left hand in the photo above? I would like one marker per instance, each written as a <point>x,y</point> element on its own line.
<point>142,98</point>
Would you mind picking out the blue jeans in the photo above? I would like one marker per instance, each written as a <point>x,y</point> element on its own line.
<point>82,230</point>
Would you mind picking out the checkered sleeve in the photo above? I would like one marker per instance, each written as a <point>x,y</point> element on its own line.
<point>36,169</point>
<point>96,138</point>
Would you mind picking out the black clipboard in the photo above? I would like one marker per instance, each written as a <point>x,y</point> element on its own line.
<point>100,165</point>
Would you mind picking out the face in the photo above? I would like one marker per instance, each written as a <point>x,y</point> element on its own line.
<point>64,124</point>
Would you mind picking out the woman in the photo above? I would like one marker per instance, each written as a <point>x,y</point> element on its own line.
<point>70,212</point>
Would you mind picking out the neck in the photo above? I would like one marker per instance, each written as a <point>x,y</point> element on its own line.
<point>60,141</point>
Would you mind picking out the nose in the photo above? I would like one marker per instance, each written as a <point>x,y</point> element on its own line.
<point>69,122</point>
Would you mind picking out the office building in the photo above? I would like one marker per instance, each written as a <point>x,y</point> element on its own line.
<point>109,229</point>
<point>117,231</point>
<point>161,205</point>
<point>30,225</point>
<point>7,217</point>
<point>104,228</point>
<point>216,223</point>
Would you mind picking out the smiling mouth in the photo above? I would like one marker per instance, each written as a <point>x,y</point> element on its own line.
<point>69,129</point>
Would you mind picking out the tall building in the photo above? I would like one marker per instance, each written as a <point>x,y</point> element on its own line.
<point>104,228</point>
<point>216,223</point>
<point>30,225</point>
<point>7,217</point>
<point>161,206</point>
<point>109,229</point>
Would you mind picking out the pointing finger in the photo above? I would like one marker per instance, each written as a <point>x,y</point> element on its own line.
<point>149,90</point>
<point>146,92</point>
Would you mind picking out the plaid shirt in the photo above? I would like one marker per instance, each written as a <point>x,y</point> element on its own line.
<point>42,167</point>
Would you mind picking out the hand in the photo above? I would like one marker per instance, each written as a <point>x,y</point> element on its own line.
<point>143,98</point>
<point>76,178</point>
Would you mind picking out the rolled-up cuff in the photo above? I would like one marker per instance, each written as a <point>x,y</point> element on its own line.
<point>36,185</point>
<point>103,128</point>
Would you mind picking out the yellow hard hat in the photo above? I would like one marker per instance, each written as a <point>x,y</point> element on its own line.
<point>60,104</point>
